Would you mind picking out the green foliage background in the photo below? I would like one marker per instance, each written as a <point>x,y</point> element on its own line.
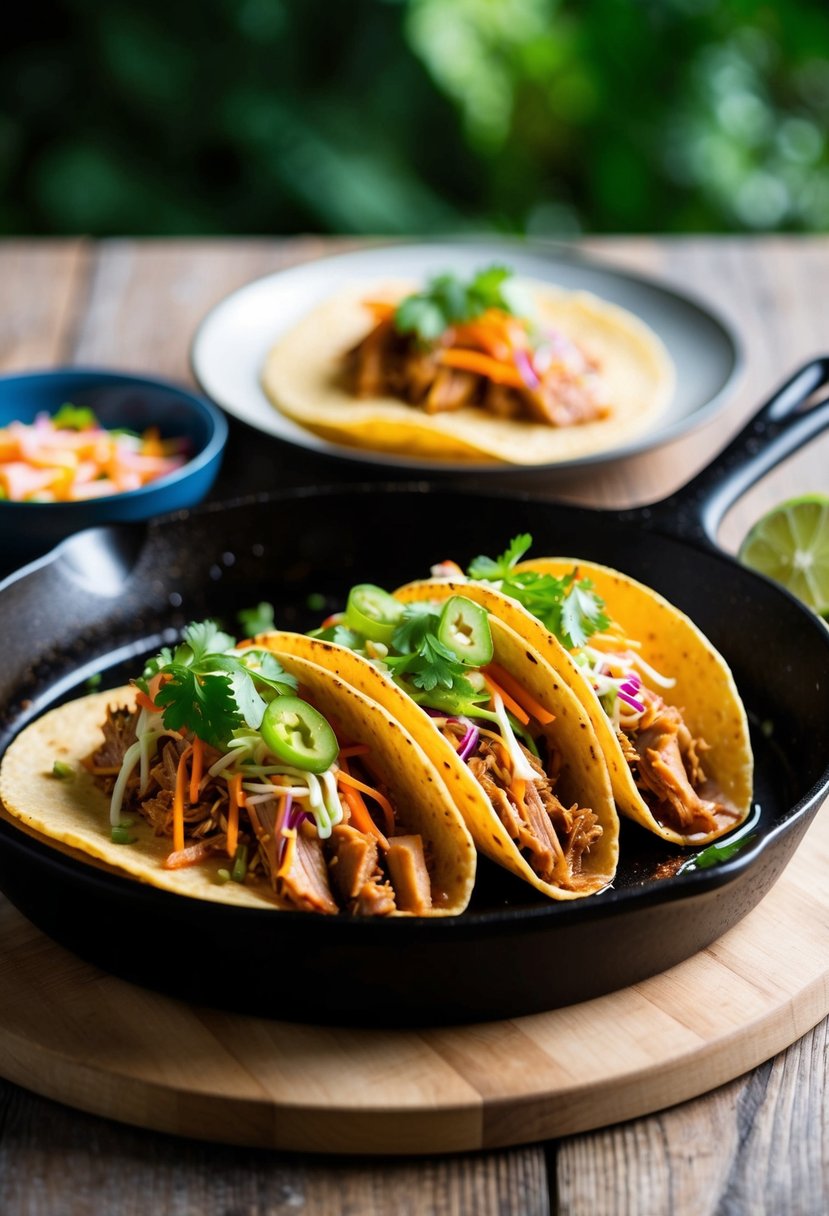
<point>415,116</point>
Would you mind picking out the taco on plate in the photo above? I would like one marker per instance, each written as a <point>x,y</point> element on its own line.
<point>487,370</point>
<point>662,700</point>
<point>247,778</point>
<point>513,744</point>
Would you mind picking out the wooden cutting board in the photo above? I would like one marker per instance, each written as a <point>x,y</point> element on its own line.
<point>76,1034</point>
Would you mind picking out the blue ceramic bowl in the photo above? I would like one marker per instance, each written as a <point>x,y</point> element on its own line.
<point>118,400</point>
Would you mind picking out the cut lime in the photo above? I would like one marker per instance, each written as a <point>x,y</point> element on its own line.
<point>791,545</point>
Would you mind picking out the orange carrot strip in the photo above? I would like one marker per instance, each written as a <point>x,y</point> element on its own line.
<point>487,337</point>
<point>360,816</point>
<point>354,749</point>
<point>381,799</point>
<point>237,799</point>
<point>178,801</point>
<point>380,308</point>
<point>518,789</point>
<point>517,691</point>
<point>196,768</point>
<point>195,853</point>
<point>482,365</point>
<point>145,703</point>
<point>288,854</point>
<point>511,704</point>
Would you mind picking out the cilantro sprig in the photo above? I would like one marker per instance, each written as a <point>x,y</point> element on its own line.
<point>447,300</point>
<point>568,607</point>
<point>423,662</point>
<point>210,687</point>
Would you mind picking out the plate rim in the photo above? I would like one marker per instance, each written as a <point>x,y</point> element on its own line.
<point>549,249</point>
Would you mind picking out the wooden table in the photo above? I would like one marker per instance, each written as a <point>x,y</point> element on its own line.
<point>758,1145</point>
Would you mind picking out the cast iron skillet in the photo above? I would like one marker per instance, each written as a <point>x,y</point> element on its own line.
<point>110,595</point>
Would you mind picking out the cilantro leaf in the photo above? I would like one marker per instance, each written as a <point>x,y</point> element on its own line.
<point>267,669</point>
<point>205,704</point>
<point>568,607</point>
<point>417,622</point>
<point>582,613</point>
<point>209,687</point>
<point>248,701</point>
<point>256,620</point>
<point>448,299</point>
<point>203,638</point>
<point>486,568</point>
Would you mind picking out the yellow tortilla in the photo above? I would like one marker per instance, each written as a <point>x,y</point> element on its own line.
<point>302,377</point>
<point>583,776</point>
<point>73,813</point>
<point>671,643</point>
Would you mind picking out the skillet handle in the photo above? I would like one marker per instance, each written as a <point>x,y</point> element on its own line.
<point>781,426</point>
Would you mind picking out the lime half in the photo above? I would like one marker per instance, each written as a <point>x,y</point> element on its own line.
<point>791,545</point>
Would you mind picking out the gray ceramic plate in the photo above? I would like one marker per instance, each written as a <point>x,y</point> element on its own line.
<point>230,345</point>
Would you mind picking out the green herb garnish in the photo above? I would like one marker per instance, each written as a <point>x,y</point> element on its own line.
<point>121,834</point>
<point>422,661</point>
<point>211,688</point>
<point>64,772</point>
<point>447,300</point>
<point>93,682</point>
<point>74,418</point>
<point>568,607</point>
<point>256,620</point>
<point>718,852</point>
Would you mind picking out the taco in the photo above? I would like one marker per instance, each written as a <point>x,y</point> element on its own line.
<point>484,370</point>
<point>274,786</point>
<point>512,743</point>
<point>662,700</point>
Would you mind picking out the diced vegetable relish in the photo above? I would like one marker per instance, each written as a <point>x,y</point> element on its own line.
<point>70,457</point>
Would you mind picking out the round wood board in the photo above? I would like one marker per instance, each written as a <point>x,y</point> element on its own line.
<point>79,1035</point>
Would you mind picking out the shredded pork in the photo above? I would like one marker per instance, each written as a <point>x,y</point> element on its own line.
<point>567,392</point>
<point>665,760</point>
<point>349,871</point>
<point>554,839</point>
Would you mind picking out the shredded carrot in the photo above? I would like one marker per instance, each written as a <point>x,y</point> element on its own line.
<point>518,789</point>
<point>360,817</point>
<point>480,334</point>
<point>354,749</point>
<point>194,853</point>
<point>288,853</point>
<point>196,767</point>
<point>178,801</point>
<point>511,704</point>
<point>380,308</point>
<point>482,365</point>
<point>237,799</point>
<point>145,703</point>
<point>517,691</point>
<point>380,799</point>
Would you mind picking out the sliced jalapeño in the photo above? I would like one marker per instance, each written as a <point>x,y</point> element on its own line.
<point>297,734</point>
<point>372,612</point>
<point>464,628</point>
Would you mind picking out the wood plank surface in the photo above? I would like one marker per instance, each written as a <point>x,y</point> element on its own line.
<point>755,1146</point>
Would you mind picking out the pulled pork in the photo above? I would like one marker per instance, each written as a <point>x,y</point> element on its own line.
<point>565,392</point>
<point>554,839</point>
<point>348,871</point>
<point>665,760</point>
